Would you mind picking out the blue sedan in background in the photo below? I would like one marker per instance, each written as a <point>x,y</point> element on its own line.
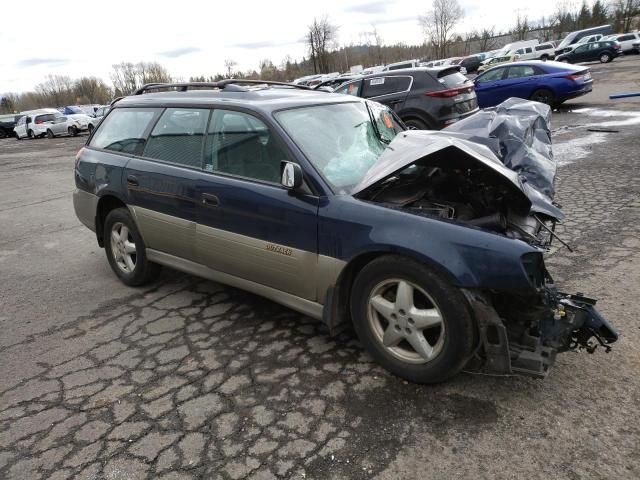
<point>547,82</point>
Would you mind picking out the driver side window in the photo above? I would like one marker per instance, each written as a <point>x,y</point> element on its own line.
<point>242,145</point>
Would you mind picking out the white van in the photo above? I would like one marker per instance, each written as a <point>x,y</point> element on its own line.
<point>574,37</point>
<point>510,48</point>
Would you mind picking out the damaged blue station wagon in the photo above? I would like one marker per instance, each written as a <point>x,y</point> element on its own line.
<point>430,243</point>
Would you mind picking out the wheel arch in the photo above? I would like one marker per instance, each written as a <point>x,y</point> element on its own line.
<point>424,117</point>
<point>106,204</point>
<point>336,313</point>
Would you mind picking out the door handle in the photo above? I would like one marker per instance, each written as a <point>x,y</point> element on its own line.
<point>394,102</point>
<point>132,180</point>
<point>210,200</point>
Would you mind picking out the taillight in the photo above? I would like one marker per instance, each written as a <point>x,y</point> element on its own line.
<point>616,46</point>
<point>450,92</point>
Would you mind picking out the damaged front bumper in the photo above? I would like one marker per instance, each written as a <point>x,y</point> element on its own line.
<point>528,344</point>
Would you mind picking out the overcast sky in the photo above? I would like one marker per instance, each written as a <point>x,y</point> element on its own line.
<point>195,37</point>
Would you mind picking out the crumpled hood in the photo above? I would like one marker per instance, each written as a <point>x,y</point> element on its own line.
<point>431,148</point>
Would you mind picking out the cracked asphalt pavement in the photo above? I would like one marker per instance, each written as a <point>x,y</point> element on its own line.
<point>191,379</point>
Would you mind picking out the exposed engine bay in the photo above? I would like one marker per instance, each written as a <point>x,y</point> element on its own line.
<point>470,196</point>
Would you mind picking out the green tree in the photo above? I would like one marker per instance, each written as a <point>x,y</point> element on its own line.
<point>584,16</point>
<point>599,13</point>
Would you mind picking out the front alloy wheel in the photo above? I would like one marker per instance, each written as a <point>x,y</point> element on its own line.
<point>406,321</point>
<point>411,319</point>
<point>604,58</point>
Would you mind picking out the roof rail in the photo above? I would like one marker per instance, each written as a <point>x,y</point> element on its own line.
<point>184,86</point>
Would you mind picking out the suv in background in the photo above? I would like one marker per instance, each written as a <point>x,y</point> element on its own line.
<point>401,65</point>
<point>604,51</point>
<point>626,41</point>
<point>424,98</point>
<point>544,52</point>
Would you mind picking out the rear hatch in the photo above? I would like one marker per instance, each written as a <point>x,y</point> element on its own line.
<point>459,89</point>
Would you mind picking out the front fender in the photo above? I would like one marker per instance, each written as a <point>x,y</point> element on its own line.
<point>469,257</point>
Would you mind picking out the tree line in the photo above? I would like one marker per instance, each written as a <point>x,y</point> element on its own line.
<point>324,55</point>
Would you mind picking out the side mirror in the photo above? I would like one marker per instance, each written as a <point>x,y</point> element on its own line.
<point>291,178</point>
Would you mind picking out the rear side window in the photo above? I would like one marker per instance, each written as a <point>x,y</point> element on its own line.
<point>491,76</point>
<point>375,87</point>
<point>544,46</point>
<point>123,130</point>
<point>45,118</point>
<point>520,71</point>
<point>178,137</point>
<point>624,38</point>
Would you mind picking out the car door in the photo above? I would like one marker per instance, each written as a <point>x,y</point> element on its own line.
<point>518,81</point>
<point>59,125</point>
<point>249,226</point>
<point>580,53</point>
<point>391,90</point>
<point>161,177</point>
<point>488,87</point>
<point>21,127</point>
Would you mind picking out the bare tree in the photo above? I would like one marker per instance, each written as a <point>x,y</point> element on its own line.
<point>321,38</point>
<point>91,90</point>
<point>487,39</point>
<point>57,88</point>
<point>624,13</point>
<point>127,77</point>
<point>522,28</point>
<point>439,22</point>
<point>229,64</point>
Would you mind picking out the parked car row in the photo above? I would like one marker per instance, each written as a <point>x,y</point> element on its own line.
<point>51,122</point>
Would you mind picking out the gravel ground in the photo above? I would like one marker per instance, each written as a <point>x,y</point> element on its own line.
<point>191,379</point>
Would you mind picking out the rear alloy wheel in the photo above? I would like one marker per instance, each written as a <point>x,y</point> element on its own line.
<point>416,124</point>
<point>605,58</point>
<point>412,321</point>
<point>126,250</point>
<point>543,95</point>
<point>50,134</point>
<point>72,131</point>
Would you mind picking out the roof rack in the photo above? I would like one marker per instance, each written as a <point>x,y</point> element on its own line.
<point>222,84</point>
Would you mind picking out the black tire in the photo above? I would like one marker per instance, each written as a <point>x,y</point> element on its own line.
<point>454,347</point>
<point>605,57</point>
<point>544,58</point>
<point>144,270</point>
<point>72,131</point>
<point>3,133</point>
<point>416,124</point>
<point>543,95</point>
<point>50,134</point>
<point>30,134</point>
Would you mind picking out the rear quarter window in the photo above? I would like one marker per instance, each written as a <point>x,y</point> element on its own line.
<point>375,87</point>
<point>124,130</point>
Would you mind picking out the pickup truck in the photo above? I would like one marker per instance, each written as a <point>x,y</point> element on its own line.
<point>7,122</point>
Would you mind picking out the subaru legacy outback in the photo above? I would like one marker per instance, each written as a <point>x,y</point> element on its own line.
<point>429,246</point>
